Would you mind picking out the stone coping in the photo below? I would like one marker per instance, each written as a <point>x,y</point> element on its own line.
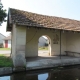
<point>56,63</point>
<point>10,70</point>
<point>6,70</point>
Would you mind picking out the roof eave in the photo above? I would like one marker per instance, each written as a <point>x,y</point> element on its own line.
<point>9,21</point>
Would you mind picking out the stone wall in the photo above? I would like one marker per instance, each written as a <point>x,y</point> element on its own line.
<point>33,36</point>
<point>73,41</point>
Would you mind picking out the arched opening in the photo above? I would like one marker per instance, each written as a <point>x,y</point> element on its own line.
<point>44,46</point>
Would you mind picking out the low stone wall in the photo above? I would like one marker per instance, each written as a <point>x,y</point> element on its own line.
<point>6,70</point>
<point>49,63</point>
<point>44,64</point>
<point>71,53</point>
<point>9,70</point>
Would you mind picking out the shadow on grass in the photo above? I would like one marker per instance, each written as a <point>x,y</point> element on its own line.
<point>5,61</point>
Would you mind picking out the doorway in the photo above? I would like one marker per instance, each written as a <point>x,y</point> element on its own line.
<point>6,43</point>
<point>44,46</point>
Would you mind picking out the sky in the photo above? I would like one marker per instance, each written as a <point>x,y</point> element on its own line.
<point>60,8</point>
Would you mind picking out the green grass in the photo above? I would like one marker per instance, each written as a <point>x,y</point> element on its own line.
<point>43,48</point>
<point>5,61</point>
<point>5,49</point>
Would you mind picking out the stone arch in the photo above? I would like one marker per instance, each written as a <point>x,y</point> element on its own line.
<point>48,42</point>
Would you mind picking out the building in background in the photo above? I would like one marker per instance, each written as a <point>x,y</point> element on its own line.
<point>7,42</point>
<point>1,40</point>
<point>43,41</point>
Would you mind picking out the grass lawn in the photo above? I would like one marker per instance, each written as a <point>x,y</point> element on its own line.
<point>43,48</point>
<point>5,49</point>
<point>5,61</point>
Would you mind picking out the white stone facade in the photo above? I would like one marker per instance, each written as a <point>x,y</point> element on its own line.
<point>26,41</point>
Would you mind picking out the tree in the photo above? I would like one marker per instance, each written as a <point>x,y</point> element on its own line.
<point>2,14</point>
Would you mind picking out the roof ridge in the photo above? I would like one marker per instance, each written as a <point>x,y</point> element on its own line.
<point>44,14</point>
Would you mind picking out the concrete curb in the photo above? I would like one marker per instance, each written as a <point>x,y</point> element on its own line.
<point>6,70</point>
<point>9,70</point>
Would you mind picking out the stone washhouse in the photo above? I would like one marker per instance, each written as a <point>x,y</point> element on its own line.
<point>26,28</point>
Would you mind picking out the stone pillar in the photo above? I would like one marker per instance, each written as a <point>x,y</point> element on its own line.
<point>13,48</point>
<point>18,46</point>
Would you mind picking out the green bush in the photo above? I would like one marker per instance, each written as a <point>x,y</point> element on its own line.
<point>5,61</point>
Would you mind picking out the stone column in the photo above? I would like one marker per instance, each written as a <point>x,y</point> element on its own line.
<point>18,46</point>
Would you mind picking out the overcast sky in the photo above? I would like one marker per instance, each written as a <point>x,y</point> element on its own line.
<point>60,8</point>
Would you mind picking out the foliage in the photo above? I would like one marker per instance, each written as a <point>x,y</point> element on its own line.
<point>46,44</point>
<point>5,61</point>
<point>2,14</point>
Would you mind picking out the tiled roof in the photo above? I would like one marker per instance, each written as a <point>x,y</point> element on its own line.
<point>37,20</point>
<point>7,38</point>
